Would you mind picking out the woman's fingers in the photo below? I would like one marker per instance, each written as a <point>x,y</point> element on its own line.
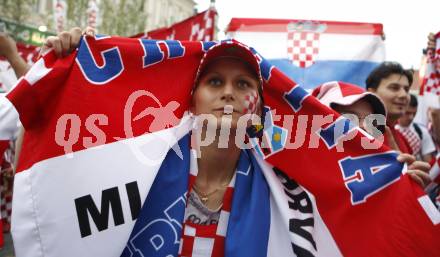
<point>75,37</point>
<point>416,179</point>
<point>65,40</point>
<point>406,158</point>
<point>419,165</point>
<point>54,43</point>
<point>64,43</point>
<point>417,170</point>
<point>420,177</point>
<point>89,32</point>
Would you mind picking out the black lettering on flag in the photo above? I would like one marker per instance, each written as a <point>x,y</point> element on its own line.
<point>297,201</point>
<point>287,182</point>
<point>134,199</point>
<point>296,226</point>
<point>85,205</point>
<point>301,252</point>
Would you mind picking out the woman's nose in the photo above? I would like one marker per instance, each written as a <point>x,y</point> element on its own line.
<point>228,91</point>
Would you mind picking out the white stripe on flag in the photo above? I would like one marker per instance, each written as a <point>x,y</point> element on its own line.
<point>429,208</point>
<point>37,71</point>
<point>280,242</point>
<point>45,203</point>
<point>273,45</point>
<point>9,122</point>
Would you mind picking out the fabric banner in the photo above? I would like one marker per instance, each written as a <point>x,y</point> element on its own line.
<point>431,79</point>
<point>314,52</point>
<point>7,75</point>
<point>429,94</point>
<point>98,153</point>
<point>200,27</point>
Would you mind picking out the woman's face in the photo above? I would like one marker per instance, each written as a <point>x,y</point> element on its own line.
<point>227,82</point>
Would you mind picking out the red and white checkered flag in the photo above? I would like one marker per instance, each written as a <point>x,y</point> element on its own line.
<point>431,79</point>
<point>204,29</point>
<point>303,42</point>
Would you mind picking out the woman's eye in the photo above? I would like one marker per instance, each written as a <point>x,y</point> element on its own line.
<point>214,82</point>
<point>243,84</point>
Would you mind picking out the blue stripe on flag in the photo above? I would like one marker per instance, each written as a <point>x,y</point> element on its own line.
<point>354,72</point>
<point>158,228</point>
<point>249,221</point>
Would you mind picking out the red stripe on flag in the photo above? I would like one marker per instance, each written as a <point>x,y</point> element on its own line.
<point>280,25</point>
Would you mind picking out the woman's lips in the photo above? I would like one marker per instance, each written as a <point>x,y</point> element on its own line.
<point>227,109</point>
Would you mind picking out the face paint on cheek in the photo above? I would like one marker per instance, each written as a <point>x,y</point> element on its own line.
<point>250,102</point>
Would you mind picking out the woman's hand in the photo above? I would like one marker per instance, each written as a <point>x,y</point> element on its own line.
<point>417,170</point>
<point>8,47</point>
<point>65,42</point>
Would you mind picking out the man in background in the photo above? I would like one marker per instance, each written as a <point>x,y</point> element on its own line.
<point>391,83</point>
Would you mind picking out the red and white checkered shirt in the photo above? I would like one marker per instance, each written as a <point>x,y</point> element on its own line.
<point>412,138</point>
<point>207,240</point>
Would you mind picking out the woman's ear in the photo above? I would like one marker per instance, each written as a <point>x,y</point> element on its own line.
<point>259,110</point>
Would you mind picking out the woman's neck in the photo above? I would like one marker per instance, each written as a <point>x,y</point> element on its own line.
<point>216,166</point>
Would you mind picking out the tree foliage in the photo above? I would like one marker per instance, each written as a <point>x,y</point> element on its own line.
<point>16,10</point>
<point>76,13</point>
<point>125,18</point>
<point>116,17</point>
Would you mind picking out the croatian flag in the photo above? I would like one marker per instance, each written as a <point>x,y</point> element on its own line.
<point>430,87</point>
<point>106,162</point>
<point>314,52</point>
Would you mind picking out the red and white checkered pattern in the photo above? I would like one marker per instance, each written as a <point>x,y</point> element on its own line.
<point>431,79</point>
<point>203,31</point>
<point>412,138</point>
<point>6,185</point>
<point>432,83</point>
<point>302,47</point>
<point>250,103</point>
<point>206,240</point>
